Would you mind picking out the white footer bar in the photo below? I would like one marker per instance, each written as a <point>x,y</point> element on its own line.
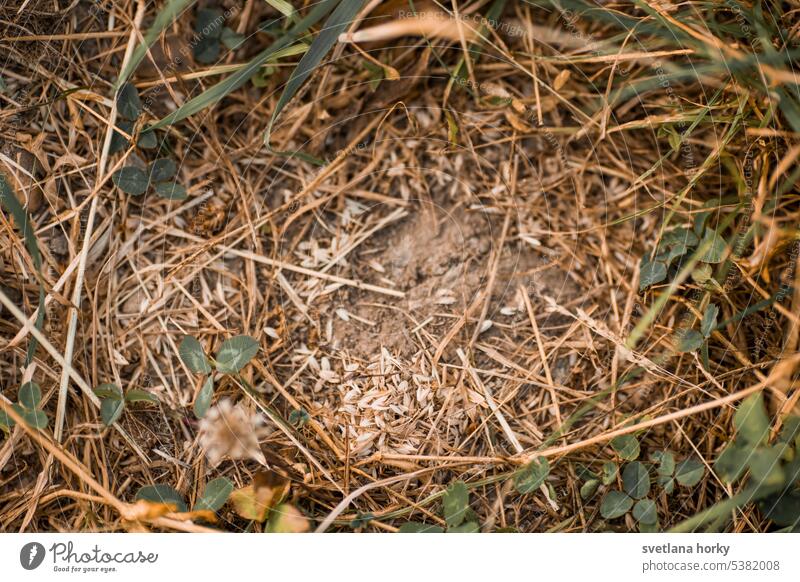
<point>398,557</point>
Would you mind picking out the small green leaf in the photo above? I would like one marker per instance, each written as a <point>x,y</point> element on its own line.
<point>111,409</point>
<point>666,463</point>
<point>674,139</point>
<point>128,104</point>
<point>615,504</point>
<point>689,472</point>
<point>680,237</point>
<point>298,418</point>
<point>610,472</point>
<point>651,273</point>
<point>6,422</point>
<point>361,520</point>
<point>702,273</point>
<point>209,22</point>
<point>700,220</point>
<point>171,191</point>
<point>790,431</point>
<point>130,180</point>
<point>783,508</point>
<point>203,401</point>
<point>645,512</point>
<point>192,353</point>
<point>262,77</point>
<point>469,527</point>
<point>235,353</point>
<point>532,475</point>
<point>215,494</point>
<point>765,467</point>
<point>231,39</point>
<point>416,527</point>
<point>207,50</point>
<point>585,473</point>
<point>455,504</point>
<point>675,243</point>
<point>118,141</point>
<point>751,421</point>
<point>717,246</point>
<point>732,462</point>
<point>589,488</point>
<point>208,27</point>
<point>626,446</point>
<point>136,395</point>
<point>690,340</point>
<point>35,419</point>
<point>147,140</point>
<point>108,391</point>
<point>666,482</point>
<point>709,320</point>
<point>161,170</point>
<point>30,395</point>
<point>162,494</point>
<point>636,480</point>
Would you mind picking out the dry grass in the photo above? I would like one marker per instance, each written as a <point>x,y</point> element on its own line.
<point>442,298</point>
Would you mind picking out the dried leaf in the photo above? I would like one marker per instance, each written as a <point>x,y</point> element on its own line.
<point>286,518</point>
<point>561,79</point>
<point>255,501</point>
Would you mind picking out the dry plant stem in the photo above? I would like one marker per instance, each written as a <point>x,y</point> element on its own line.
<point>428,27</point>
<point>527,457</point>
<point>315,426</point>
<point>605,437</point>
<point>540,347</point>
<point>124,509</point>
<point>66,367</point>
<point>294,440</point>
<point>501,418</point>
<point>67,460</point>
<point>77,291</point>
<point>512,438</point>
<point>494,266</point>
<point>255,257</point>
<point>344,503</point>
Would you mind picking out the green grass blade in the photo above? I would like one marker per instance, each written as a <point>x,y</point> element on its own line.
<point>336,24</point>
<point>283,7</point>
<point>492,15</point>
<point>240,77</point>
<point>170,11</point>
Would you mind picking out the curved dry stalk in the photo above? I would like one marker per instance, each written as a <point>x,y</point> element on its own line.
<point>69,349</point>
<point>129,512</point>
<point>66,367</point>
<point>427,26</point>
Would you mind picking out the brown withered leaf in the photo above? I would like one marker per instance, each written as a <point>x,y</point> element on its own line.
<point>255,501</point>
<point>561,79</point>
<point>286,518</point>
<point>144,510</point>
